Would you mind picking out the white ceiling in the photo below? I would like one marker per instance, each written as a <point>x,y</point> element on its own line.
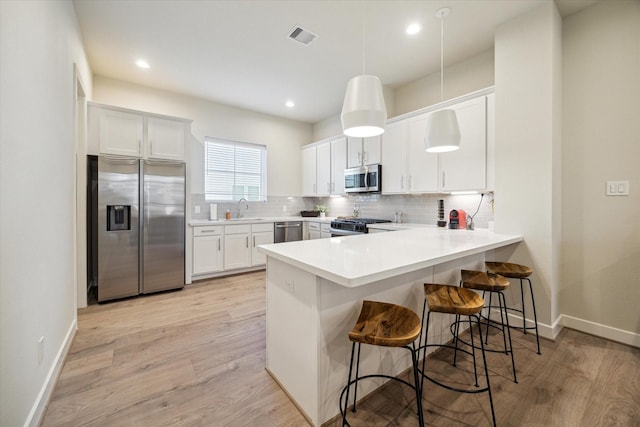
<point>237,52</point>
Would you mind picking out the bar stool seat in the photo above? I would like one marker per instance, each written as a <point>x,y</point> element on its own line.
<point>522,273</point>
<point>387,325</point>
<point>460,302</point>
<point>492,283</point>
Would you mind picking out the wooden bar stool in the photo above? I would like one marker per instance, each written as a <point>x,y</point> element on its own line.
<point>386,325</point>
<point>521,272</point>
<point>461,302</point>
<point>494,284</point>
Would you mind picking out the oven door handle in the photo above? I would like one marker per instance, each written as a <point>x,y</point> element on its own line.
<point>366,177</point>
<point>338,232</point>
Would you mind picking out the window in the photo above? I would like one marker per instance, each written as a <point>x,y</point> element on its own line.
<point>233,170</point>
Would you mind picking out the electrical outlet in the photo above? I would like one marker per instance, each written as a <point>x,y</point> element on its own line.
<point>40,350</point>
<point>196,209</point>
<point>617,188</point>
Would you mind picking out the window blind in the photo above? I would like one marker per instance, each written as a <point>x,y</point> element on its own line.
<point>234,170</point>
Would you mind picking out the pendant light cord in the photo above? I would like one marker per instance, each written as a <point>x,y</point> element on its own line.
<point>441,57</point>
<point>364,34</point>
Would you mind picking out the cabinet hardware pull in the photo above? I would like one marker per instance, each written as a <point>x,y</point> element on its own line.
<point>219,245</point>
<point>247,241</point>
<point>443,180</point>
<point>139,146</point>
<point>208,231</point>
<point>151,147</point>
<point>254,241</point>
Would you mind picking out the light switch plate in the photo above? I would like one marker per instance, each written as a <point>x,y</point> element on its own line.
<point>617,188</point>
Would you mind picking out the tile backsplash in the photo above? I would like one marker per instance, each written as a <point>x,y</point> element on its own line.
<point>419,208</point>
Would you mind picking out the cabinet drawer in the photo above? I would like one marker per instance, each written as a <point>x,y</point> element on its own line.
<point>325,228</point>
<point>237,229</point>
<point>207,230</point>
<point>315,226</point>
<point>267,226</point>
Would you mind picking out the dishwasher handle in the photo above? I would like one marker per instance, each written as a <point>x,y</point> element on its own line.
<point>299,224</point>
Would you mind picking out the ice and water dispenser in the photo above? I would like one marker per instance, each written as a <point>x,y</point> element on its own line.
<point>118,217</point>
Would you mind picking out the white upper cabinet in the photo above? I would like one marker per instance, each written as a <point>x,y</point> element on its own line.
<point>338,164</point>
<point>394,158</point>
<point>309,171</point>
<point>323,165</point>
<point>408,168</point>
<point>323,172</point>
<point>114,130</point>
<point>422,167</point>
<point>466,168</point>
<point>363,151</point>
<point>491,141</point>
<point>119,132</point>
<point>165,138</point>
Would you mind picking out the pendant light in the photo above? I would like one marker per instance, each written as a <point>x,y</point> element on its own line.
<point>363,111</point>
<point>443,133</point>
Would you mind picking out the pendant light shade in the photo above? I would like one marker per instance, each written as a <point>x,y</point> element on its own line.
<point>443,133</point>
<point>364,112</point>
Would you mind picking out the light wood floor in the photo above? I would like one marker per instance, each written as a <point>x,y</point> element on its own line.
<point>196,358</point>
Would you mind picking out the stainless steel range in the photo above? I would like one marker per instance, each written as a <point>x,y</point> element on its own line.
<point>352,226</point>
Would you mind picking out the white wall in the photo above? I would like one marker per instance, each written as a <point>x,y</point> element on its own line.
<point>39,43</point>
<point>282,137</point>
<point>527,190</point>
<point>464,77</point>
<point>601,141</point>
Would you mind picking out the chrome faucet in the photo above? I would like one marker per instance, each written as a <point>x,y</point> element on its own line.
<point>246,206</point>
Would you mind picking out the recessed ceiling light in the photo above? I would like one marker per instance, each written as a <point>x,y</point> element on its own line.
<point>413,29</point>
<point>142,63</point>
<point>290,104</point>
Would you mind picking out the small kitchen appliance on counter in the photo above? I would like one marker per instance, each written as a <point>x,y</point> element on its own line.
<point>457,219</point>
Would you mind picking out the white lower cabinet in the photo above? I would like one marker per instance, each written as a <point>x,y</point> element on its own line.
<point>261,234</point>
<point>314,230</point>
<point>237,252</point>
<point>325,231</point>
<point>208,249</point>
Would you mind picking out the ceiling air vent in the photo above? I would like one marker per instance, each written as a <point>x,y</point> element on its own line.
<point>301,35</point>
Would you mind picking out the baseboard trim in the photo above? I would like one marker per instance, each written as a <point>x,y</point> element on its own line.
<point>599,330</point>
<point>603,331</point>
<point>40,405</point>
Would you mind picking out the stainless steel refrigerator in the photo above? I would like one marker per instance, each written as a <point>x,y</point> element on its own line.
<point>140,226</point>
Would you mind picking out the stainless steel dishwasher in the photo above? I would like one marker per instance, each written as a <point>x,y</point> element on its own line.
<point>287,231</point>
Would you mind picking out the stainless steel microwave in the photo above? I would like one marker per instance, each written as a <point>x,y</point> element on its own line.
<point>363,179</point>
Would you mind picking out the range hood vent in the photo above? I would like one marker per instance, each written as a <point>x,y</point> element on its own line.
<point>301,35</point>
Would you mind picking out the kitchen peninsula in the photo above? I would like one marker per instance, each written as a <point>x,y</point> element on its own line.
<point>315,290</point>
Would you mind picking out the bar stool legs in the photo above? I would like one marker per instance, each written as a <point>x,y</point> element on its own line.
<point>522,273</point>
<point>387,325</point>
<point>461,302</point>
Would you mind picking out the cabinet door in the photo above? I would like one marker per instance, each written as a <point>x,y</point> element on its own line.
<point>465,168</point>
<point>371,150</point>
<point>261,238</point>
<point>491,142</point>
<point>338,164</point>
<point>121,132</point>
<point>309,171</point>
<point>354,152</point>
<point>394,158</point>
<point>165,139</point>
<point>422,167</point>
<point>207,254</point>
<point>323,173</point>
<point>237,253</point>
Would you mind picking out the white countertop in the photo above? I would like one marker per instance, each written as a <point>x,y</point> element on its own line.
<point>357,260</point>
<point>257,220</point>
